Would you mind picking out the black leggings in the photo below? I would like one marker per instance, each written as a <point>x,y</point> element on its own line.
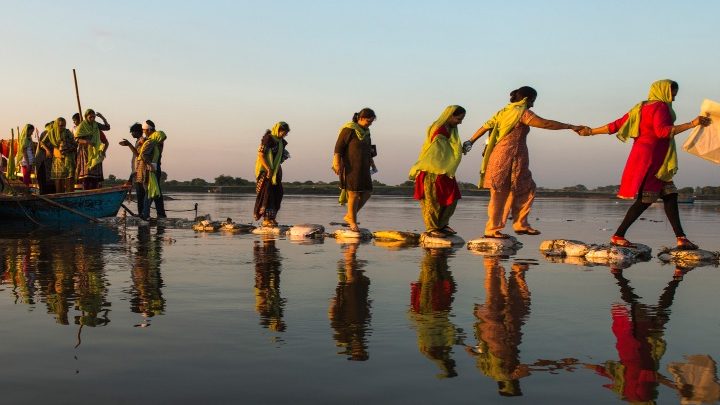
<point>638,207</point>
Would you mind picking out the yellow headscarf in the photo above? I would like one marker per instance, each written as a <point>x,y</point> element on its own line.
<point>91,132</point>
<point>661,90</point>
<point>272,160</point>
<point>501,124</point>
<point>154,140</point>
<point>23,142</point>
<point>440,155</point>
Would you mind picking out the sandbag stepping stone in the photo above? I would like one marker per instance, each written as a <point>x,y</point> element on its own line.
<point>300,231</point>
<point>689,258</point>
<point>271,230</point>
<point>344,234</point>
<point>495,246</point>
<point>397,236</point>
<point>445,242</point>
<point>206,226</point>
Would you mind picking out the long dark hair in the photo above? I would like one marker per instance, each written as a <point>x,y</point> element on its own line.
<point>364,113</point>
<point>458,111</point>
<point>521,93</point>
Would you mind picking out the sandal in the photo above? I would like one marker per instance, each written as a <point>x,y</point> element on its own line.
<point>621,242</point>
<point>528,231</point>
<point>437,234</point>
<point>497,235</point>
<point>684,243</point>
<point>449,230</point>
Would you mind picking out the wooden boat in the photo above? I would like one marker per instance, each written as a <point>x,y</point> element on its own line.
<point>63,207</point>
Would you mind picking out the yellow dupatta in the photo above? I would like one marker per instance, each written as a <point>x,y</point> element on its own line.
<point>501,124</point>
<point>23,142</point>
<point>156,138</point>
<point>440,155</point>
<point>90,131</point>
<point>272,160</point>
<point>661,90</point>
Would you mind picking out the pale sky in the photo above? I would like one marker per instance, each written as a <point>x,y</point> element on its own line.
<point>215,74</point>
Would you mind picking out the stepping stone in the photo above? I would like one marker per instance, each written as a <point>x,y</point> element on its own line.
<point>398,236</point>
<point>271,230</point>
<point>306,231</point>
<point>689,258</point>
<point>236,228</point>
<point>495,246</point>
<point>606,254</point>
<point>345,234</point>
<point>206,226</point>
<point>446,242</point>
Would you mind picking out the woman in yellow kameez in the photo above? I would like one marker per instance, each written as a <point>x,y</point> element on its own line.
<point>434,172</point>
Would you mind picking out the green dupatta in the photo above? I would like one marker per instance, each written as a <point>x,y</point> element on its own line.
<point>501,124</point>
<point>661,90</point>
<point>90,131</point>
<point>156,138</point>
<point>440,155</point>
<point>272,160</point>
<point>23,142</point>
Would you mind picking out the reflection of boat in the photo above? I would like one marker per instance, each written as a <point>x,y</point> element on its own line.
<point>686,199</point>
<point>104,202</point>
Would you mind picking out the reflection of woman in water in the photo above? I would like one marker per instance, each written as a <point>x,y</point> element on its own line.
<point>639,331</point>
<point>431,300</point>
<point>268,302</point>
<point>146,293</point>
<point>500,319</point>
<point>349,311</point>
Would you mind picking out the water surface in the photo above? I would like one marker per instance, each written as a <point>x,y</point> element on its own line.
<point>149,315</point>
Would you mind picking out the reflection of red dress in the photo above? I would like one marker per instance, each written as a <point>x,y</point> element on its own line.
<point>648,151</point>
<point>639,378</point>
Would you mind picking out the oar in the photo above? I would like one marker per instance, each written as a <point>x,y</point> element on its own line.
<point>65,207</point>
<point>128,210</point>
<point>77,94</point>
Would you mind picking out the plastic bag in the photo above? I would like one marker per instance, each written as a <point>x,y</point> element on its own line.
<point>704,142</point>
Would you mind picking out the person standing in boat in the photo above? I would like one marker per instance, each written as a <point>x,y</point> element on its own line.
<point>91,150</point>
<point>60,144</point>
<point>353,163</point>
<point>434,172</point>
<point>43,163</point>
<point>268,174</point>
<point>25,157</point>
<point>147,171</point>
<point>136,131</point>
<point>505,167</point>
<point>653,161</point>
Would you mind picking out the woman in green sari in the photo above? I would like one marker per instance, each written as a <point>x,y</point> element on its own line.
<point>62,146</point>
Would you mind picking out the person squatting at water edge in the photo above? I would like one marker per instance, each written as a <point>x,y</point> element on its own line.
<point>25,157</point>
<point>92,146</point>
<point>147,169</point>
<point>268,173</point>
<point>652,162</point>
<point>505,166</point>
<point>60,146</point>
<point>137,133</point>
<point>434,172</point>
<point>353,163</point>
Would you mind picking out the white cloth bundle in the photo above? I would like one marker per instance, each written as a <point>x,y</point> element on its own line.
<point>704,142</point>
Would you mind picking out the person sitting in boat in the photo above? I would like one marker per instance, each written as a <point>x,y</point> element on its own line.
<point>60,144</point>
<point>91,150</point>
<point>147,169</point>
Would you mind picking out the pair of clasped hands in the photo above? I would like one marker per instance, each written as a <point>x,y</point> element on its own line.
<point>583,130</point>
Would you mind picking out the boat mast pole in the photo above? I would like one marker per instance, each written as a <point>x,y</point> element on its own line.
<point>77,94</point>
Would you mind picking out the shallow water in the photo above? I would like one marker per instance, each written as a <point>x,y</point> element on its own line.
<point>155,315</point>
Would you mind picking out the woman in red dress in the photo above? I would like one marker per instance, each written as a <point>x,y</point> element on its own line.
<point>653,159</point>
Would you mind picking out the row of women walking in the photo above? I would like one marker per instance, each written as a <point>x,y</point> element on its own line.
<point>505,169</point>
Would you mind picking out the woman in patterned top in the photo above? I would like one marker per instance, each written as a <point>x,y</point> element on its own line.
<point>506,162</point>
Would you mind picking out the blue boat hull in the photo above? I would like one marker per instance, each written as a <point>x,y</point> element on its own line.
<point>99,203</point>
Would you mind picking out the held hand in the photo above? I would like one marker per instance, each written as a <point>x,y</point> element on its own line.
<point>268,174</point>
<point>467,146</point>
<point>583,130</point>
<point>702,121</point>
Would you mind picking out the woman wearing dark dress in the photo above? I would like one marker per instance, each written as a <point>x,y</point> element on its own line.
<point>268,173</point>
<point>353,163</point>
